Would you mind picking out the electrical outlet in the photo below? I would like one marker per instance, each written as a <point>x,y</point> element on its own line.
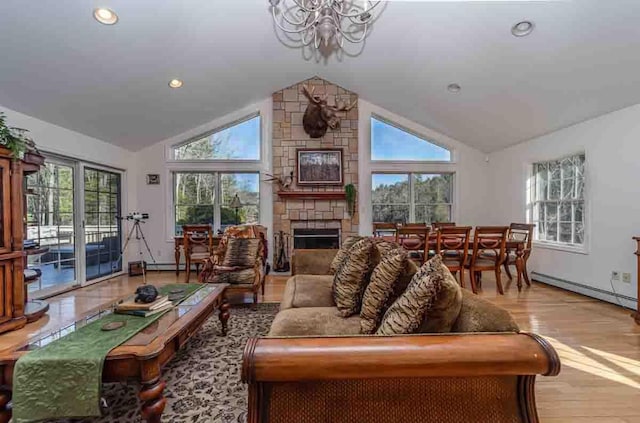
<point>615,275</point>
<point>626,277</point>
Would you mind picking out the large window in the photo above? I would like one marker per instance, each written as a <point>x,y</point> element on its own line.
<point>206,197</point>
<point>412,197</point>
<point>558,201</point>
<point>390,143</point>
<point>240,141</point>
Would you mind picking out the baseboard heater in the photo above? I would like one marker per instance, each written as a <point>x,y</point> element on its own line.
<point>589,291</point>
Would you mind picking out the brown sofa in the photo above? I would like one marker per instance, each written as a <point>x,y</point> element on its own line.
<point>316,367</point>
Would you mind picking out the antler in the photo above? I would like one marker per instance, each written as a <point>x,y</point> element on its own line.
<point>343,107</point>
<point>312,98</point>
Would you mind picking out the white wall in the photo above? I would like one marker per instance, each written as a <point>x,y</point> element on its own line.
<point>612,148</point>
<point>469,165</point>
<point>157,199</point>
<point>55,139</point>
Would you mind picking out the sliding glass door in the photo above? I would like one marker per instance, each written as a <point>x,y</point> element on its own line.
<point>102,227</point>
<point>51,223</point>
<point>72,215</point>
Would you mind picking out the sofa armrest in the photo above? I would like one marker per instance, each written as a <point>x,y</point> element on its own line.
<point>312,262</point>
<point>372,357</point>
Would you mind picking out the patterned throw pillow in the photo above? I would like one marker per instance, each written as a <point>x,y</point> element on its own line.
<point>380,288</point>
<point>351,278</point>
<point>241,252</point>
<point>406,314</point>
<point>446,308</point>
<point>343,252</point>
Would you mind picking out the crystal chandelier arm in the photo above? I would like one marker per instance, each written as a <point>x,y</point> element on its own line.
<point>337,10</point>
<point>316,6</point>
<point>351,39</point>
<point>291,31</point>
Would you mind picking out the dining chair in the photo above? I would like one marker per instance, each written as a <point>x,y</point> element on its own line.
<point>453,245</point>
<point>414,239</point>
<point>198,246</point>
<point>489,250</point>
<point>386,230</point>
<point>519,232</point>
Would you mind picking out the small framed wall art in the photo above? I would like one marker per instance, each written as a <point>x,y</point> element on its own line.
<point>153,179</point>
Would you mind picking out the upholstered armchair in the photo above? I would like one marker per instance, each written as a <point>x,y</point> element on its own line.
<point>239,260</point>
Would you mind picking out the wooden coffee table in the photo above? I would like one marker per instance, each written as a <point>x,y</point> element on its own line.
<point>142,357</point>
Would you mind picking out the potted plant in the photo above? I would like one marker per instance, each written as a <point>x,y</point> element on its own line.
<point>13,139</point>
<point>18,143</point>
<point>350,195</point>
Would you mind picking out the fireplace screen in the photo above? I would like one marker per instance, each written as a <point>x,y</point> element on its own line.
<point>316,238</point>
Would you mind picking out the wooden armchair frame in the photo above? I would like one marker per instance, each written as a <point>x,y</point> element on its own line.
<point>213,265</point>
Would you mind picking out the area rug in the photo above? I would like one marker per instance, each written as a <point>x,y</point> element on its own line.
<point>203,380</point>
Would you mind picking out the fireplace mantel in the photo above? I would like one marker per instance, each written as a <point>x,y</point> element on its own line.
<point>312,195</point>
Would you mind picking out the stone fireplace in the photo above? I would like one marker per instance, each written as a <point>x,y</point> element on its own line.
<point>313,215</point>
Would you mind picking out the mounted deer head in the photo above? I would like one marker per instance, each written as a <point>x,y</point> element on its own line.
<point>319,116</point>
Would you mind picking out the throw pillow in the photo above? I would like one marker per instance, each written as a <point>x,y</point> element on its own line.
<point>351,278</point>
<point>406,314</point>
<point>241,252</point>
<point>446,308</point>
<point>343,252</point>
<point>380,288</point>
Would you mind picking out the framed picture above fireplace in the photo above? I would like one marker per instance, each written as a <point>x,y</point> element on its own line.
<point>319,166</point>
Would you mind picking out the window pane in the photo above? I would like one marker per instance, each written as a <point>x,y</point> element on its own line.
<point>579,235</point>
<point>578,213</point>
<point>565,232</point>
<point>390,189</point>
<point>565,212</point>
<point>193,215</point>
<point>194,188</point>
<point>391,143</point>
<point>238,142</point>
<point>554,189</point>
<point>244,184</point>
<point>551,211</point>
<point>430,214</point>
<point>432,189</point>
<point>391,213</point>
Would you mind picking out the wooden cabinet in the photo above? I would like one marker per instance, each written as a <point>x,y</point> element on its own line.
<point>12,300</point>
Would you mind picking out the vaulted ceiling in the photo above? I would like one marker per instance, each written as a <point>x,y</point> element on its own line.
<point>59,65</point>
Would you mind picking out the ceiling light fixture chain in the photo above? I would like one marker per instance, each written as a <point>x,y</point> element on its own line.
<point>324,22</point>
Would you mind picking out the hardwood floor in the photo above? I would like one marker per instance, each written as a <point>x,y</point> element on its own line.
<point>598,343</point>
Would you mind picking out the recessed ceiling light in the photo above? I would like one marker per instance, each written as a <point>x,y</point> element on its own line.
<point>454,88</point>
<point>105,16</point>
<point>175,83</point>
<point>522,29</point>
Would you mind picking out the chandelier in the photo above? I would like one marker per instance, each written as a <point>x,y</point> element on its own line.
<point>324,23</point>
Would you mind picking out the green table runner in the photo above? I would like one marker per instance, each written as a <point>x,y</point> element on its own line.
<point>64,378</point>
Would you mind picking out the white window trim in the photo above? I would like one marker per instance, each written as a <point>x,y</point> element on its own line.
<point>366,166</point>
<point>217,201</point>
<point>263,166</point>
<point>585,248</point>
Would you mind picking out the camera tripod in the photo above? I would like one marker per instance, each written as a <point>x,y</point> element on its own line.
<point>139,236</point>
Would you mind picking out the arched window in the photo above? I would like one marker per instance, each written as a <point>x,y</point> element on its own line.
<point>239,141</point>
<point>391,143</point>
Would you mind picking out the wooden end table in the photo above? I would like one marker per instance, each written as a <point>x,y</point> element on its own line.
<point>142,357</point>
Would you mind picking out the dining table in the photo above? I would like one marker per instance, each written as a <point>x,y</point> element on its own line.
<point>514,245</point>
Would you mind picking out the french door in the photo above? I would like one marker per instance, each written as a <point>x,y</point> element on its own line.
<point>72,210</point>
